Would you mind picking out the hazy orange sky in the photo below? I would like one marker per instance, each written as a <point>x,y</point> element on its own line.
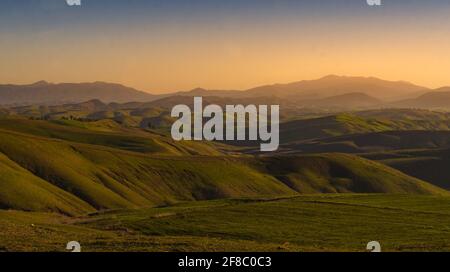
<point>161,46</point>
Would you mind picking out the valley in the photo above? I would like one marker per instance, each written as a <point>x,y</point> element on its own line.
<point>109,174</point>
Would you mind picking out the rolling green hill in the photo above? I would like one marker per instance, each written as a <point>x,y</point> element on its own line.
<point>363,122</point>
<point>430,165</point>
<point>21,190</point>
<point>105,176</point>
<point>106,133</point>
<point>342,173</point>
<point>375,142</point>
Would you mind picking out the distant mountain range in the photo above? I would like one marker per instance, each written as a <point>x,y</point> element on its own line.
<point>43,92</point>
<point>327,92</point>
<point>327,86</point>
<point>338,85</point>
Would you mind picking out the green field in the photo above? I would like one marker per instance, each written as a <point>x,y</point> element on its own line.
<point>303,223</point>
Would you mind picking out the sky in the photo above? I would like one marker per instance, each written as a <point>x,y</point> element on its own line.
<point>175,45</point>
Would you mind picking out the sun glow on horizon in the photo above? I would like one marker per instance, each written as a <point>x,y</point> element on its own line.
<point>165,48</point>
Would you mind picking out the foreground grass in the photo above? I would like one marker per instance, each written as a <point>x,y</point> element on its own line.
<point>305,223</point>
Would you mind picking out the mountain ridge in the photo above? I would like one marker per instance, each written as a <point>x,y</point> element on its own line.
<point>360,92</point>
<point>42,92</point>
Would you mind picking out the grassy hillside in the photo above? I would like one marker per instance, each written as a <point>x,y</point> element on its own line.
<point>341,173</point>
<point>405,114</point>
<point>109,178</point>
<point>375,142</point>
<point>306,223</point>
<point>429,165</point>
<point>21,190</point>
<point>106,133</point>
<point>360,123</point>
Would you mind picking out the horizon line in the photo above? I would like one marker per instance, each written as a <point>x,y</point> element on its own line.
<point>220,89</point>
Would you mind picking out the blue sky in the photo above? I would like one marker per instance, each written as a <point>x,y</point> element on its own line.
<point>42,15</point>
